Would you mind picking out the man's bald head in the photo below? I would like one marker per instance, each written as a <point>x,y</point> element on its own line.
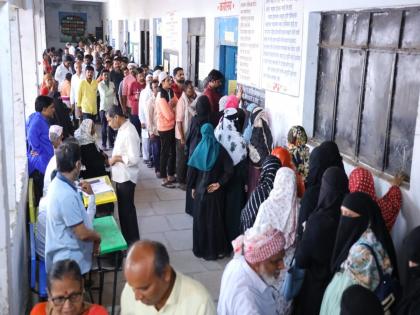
<point>147,254</point>
<point>147,271</point>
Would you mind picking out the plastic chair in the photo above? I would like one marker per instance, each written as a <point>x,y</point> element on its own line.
<point>38,273</point>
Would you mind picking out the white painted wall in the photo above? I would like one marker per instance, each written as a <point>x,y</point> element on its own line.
<point>52,7</point>
<point>284,110</point>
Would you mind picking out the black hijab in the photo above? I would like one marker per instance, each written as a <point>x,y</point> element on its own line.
<point>334,187</point>
<point>202,116</point>
<point>270,167</point>
<point>351,229</point>
<point>321,158</point>
<point>358,300</point>
<point>410,302</point>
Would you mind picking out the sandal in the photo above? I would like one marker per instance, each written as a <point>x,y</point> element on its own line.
<point>168,184</point>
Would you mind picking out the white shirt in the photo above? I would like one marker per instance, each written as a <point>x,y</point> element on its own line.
<point>107,95</point>
<point>243,292</point>
<point>60,74</point>
<point>74,89</point>
<point>72,50</point>
<point>51,166</point>
<point>188,296</point>
<point>145,95</point>
<point>127,145</point>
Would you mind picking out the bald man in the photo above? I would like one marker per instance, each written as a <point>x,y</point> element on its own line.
<point>154,287</point>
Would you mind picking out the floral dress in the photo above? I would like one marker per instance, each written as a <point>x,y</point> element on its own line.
<point>359,268</point>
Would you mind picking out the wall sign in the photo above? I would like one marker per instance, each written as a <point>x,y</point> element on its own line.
<point>282,48</point>
<point>72,26</point>
<point>253,95</point>
<point>170,30</point>
<point>225,6</point>
<point>249,42</point>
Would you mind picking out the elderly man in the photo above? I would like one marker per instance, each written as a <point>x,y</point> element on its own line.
<point>154,287</point>
<point>62,70</point>
<point>249,279</point>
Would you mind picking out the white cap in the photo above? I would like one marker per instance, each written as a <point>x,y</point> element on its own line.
<point>162,76</point>
<point>132,65</point>
<point>156,74</point>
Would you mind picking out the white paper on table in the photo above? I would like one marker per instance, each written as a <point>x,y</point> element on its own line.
<point>100,187</point>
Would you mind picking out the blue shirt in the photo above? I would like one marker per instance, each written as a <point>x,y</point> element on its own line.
<point>37,129</point>
<point>65,210</point>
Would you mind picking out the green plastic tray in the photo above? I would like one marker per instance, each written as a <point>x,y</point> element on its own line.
<point>112,239</point>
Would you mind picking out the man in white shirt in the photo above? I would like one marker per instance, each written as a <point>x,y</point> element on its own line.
<point>145,95</point>
<point>125,162</point>
<point>75,83</point>
<point>107,97</point>
<point>249,282</point>
<point>72,50</point>
<point>154,287</point>
<point>62,70</point>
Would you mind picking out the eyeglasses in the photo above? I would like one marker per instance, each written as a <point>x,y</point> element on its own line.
<point>73,298</point>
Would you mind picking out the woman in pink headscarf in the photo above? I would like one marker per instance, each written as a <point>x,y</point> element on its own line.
<point>232,102</point>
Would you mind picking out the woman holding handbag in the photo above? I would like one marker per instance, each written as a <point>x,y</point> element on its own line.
<point>363,251</point>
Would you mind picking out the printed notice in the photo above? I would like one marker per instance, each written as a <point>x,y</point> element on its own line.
<point>282,46</point>
<point>249,42</point>
<point>170,30</point>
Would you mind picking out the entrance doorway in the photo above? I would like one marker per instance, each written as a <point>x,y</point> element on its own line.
<point>196,50</point>
<point>227,65</point>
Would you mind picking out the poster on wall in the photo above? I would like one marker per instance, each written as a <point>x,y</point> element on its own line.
<point>170,30</point>
<point>282,48</point>
<point>72,26</point>
<point>249,42</point>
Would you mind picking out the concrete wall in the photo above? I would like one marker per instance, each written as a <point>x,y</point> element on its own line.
<point>52,7</point>
<point>283,110</point>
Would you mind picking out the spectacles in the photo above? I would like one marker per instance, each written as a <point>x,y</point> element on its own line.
<point>73,298</point>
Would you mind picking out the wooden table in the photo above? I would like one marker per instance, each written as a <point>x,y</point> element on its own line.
<point>112,241</point>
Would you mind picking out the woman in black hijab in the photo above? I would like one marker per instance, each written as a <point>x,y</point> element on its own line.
<point>194,137</point>
<point>361,230</point>
<point>322,157</point>
<point>270,167</point>
<point>410,302</point>
<point>314,251</point>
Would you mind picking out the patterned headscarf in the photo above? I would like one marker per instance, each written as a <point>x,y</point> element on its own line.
<point>259,244</point>
<point>269,169</point>
<point>84,133</point>
<point>227,135</point>
<point>362,180</point>
<point>280,209</point>
<point>297,139</point>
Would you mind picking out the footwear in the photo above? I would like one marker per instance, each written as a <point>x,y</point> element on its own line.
<point>168,184</point>
<point>172,180</point>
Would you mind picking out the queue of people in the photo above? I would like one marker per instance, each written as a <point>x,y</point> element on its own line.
<point>281,211</point>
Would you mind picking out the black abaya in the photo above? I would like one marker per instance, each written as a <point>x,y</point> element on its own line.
<point>209,238</point>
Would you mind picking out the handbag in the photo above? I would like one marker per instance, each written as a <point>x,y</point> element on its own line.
<point>293,281</point>
<point>388,288</point>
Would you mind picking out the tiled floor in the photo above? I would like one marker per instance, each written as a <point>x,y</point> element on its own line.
<point>162,218</point>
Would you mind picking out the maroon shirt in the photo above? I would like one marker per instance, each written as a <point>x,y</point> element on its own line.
<point>214,98</point>
<point>177,90</point>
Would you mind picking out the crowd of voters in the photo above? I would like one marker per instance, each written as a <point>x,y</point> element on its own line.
<point>304,237</point>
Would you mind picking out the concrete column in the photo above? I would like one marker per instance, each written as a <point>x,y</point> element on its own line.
<point>6,141</point>
<point>30,55</point>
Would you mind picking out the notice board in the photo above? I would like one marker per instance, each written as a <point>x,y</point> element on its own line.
<point>270,44</point>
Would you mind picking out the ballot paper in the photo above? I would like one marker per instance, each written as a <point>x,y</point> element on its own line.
<point>99,185</point>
